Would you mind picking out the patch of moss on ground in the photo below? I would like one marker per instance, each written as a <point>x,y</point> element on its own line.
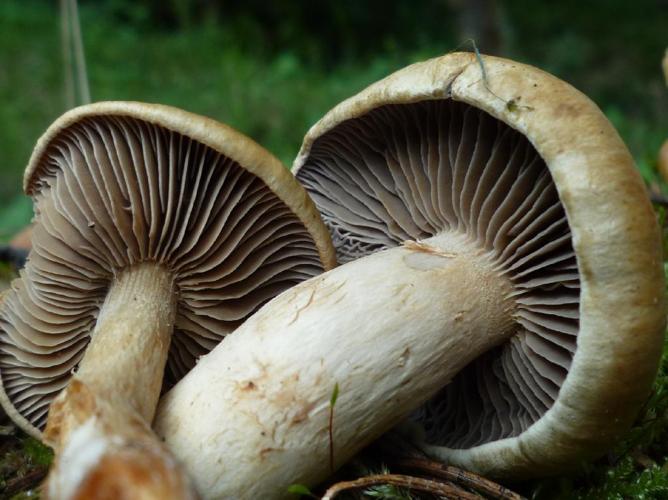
<point>24,462</point>
<point>37,452</point>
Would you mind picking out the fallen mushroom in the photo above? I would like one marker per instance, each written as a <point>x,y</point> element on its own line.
<point>149,220</point>
<point>514,243</point>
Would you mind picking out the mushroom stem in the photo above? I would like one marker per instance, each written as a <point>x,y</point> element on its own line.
<point>128,350</point>
<point>99,425</point>
<point>439,304</point>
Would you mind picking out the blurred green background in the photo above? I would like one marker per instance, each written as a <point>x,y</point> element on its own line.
<point>271,69</point>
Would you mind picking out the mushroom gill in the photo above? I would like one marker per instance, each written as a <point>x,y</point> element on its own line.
<point>112,192</point>
<point>411,171</point>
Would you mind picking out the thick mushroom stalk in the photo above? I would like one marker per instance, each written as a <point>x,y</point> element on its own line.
<point>437,304</point>
<point>98,424</point>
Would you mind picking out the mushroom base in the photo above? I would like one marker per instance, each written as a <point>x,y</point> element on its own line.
<point>111,452</point>
<point>255,415</point>
<point>102,418</point>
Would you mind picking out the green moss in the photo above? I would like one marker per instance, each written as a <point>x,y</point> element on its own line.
<point>23,464</point>
<point>36,452</point>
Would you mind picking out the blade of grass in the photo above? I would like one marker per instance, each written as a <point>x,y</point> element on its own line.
<point>332,402</point>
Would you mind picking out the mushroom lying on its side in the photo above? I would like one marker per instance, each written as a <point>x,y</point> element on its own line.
<point>515,299</point>
<point>149,221</point>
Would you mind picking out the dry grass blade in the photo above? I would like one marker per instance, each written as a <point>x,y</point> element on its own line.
<point>74,59</point>
<point>446,490</point>
<point>80,58</point>
<point>459,476</point>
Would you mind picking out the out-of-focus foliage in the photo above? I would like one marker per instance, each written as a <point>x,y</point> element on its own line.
<point>271,69</point>
<point>321,33</point>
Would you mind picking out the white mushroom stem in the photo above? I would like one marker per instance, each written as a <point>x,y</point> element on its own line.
<point>99,425</point>
<point>390,329</point>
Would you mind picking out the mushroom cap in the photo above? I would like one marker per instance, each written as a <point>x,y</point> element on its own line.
<point>118,183</point>
<point>590,308</point>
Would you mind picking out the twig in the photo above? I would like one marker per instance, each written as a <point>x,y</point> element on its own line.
<point>30,480</point>
<point>398,451</point>
<point>414,483</point>
<point>459,476</point>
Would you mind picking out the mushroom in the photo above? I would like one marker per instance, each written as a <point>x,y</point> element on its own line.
<point>662,161</point>
<point>508,293</point>
<point>157,232</point>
